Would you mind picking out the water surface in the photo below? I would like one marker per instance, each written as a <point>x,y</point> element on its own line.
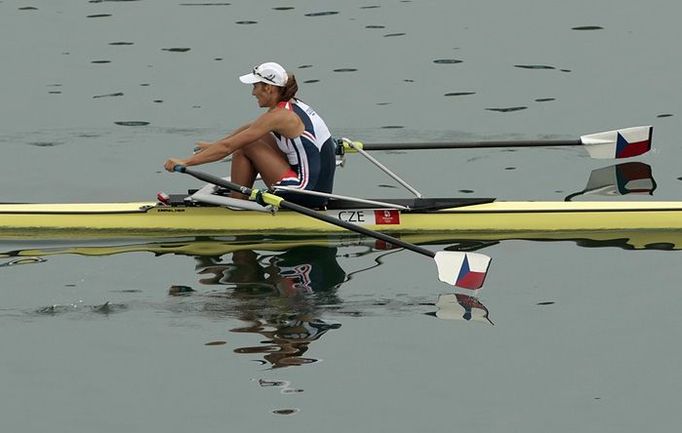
<point>120,335</point>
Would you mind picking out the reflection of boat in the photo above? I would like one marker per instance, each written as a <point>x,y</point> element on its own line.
<point>632,240</point>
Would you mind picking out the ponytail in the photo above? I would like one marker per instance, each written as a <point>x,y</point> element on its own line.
<point>289,90</point>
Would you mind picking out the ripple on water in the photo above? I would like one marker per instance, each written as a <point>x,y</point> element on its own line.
<point>660,116</point>
<point>545,99</point>
<point>283,8</point>
<point>459,93</point>
<point>447,61</point>
<point>108,95</point>
<point>131,123</point>
<point>292,411</point>
<point>534,66</point>
<point>176,50</point>
<point>587,28</point>
<point>345,70</point>
<point>506,109</point>
<point>321,14</point>
<point>99,16</point>
<point>292,391</point>
<point>121,43</point>
<point>44,143</point>
<point>394,35</point>
<point>205,4</point>
<point>57,309</point>
<point>264,383</point>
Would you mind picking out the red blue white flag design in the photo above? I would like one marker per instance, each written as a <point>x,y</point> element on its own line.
<point>621,143</point>
<point>465,270</point>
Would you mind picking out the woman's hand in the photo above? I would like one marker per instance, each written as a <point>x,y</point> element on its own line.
<point>171,163</point>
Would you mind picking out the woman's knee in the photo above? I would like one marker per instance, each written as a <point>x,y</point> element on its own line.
<point>240,153</point>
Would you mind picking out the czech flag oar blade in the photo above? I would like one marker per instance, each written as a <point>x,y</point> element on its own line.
<point>465,270</point>
<point>620,143</point>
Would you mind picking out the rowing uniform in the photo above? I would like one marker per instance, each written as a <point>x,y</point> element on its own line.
<point>311,157</point>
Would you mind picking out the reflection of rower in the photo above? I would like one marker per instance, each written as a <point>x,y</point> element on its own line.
<point>300,270</point>
<point>295,274</point>
<point>289,340</point>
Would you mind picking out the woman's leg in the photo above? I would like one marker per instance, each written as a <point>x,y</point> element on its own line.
<point>262,156</point>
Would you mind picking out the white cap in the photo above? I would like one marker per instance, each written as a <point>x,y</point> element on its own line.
<point>269,73</point>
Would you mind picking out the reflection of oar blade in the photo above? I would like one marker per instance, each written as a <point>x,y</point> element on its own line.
<point>620,143</point>
<point>465,270</point>
<point>620,179</point>
<point>458,306</point>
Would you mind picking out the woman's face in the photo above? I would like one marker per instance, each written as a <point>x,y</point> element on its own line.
<point>265,94</point>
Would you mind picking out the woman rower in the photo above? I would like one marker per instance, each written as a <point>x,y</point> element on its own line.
<point>288,145</point>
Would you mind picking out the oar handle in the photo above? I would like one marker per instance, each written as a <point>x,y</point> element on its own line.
<point>215,180</point>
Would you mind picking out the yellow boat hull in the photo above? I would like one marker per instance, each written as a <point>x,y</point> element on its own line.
<point>150,219</point>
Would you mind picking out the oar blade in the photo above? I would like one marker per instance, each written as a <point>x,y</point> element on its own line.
<point>620,143</point>
<point>465,270</point>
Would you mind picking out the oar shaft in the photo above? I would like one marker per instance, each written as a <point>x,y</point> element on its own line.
<point>356,228</point>
<point>206,177</point>
<point>470,144</point>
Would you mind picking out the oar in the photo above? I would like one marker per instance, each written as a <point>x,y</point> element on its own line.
<point>466,270</point>
<point>619,143</point>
